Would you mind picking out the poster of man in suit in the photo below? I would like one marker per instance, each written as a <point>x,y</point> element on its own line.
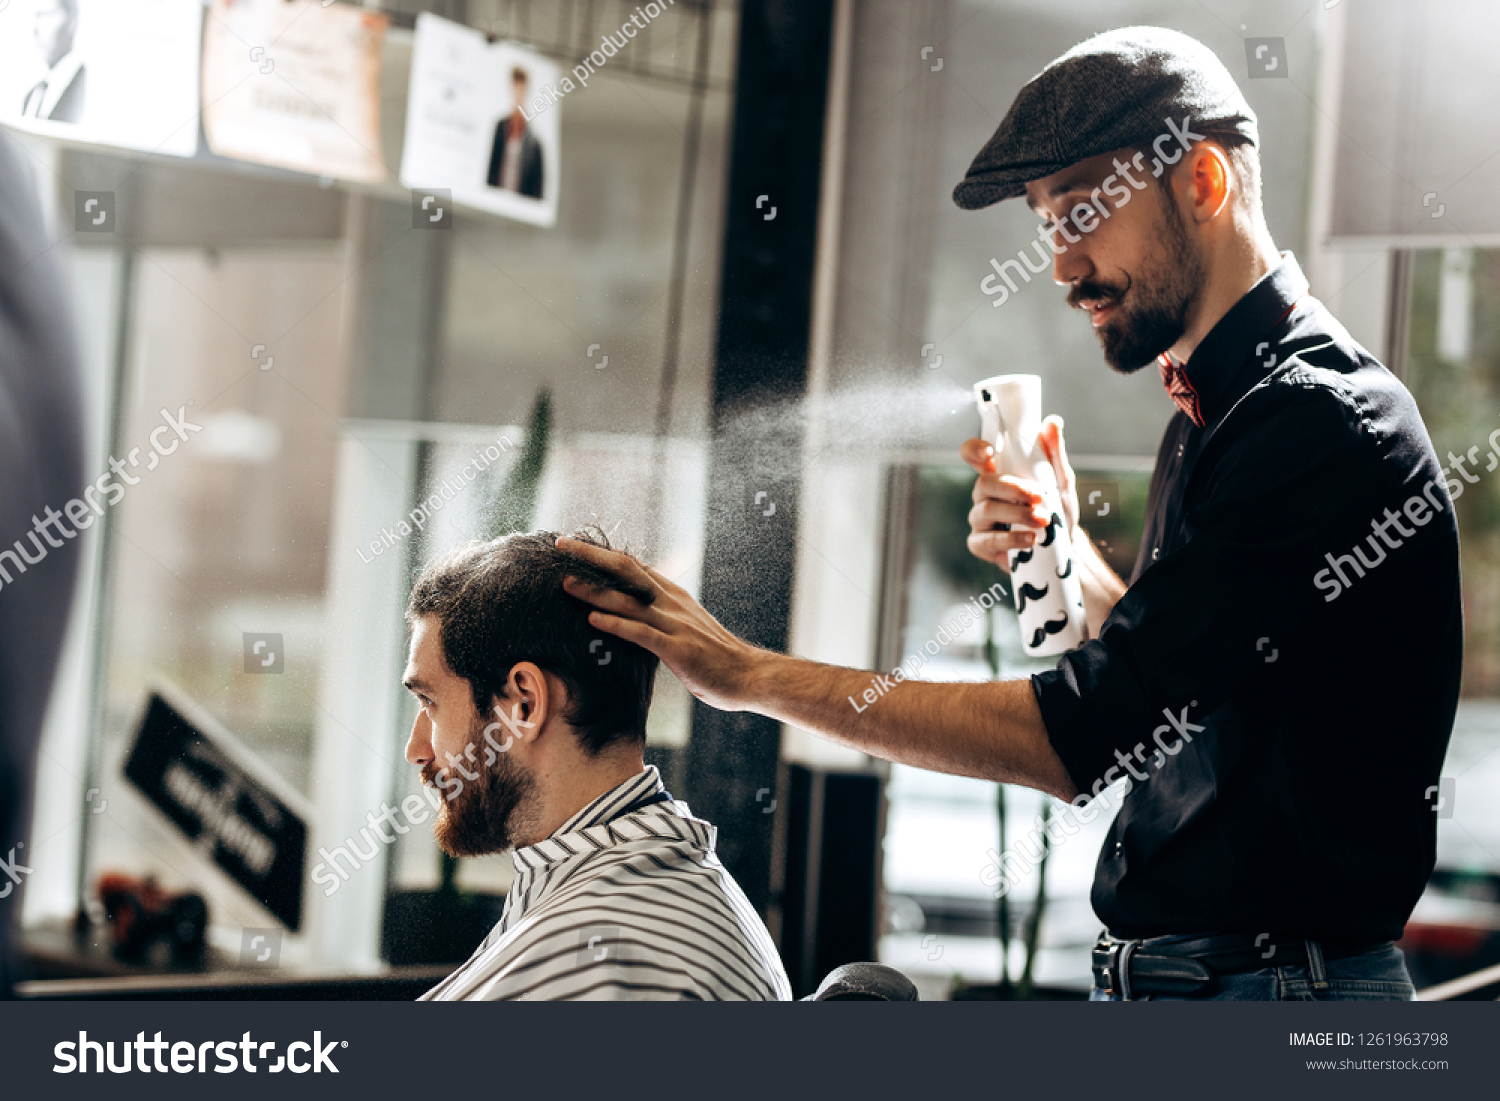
<point>483,122</point>
<point>516,156</point>
<point>59,94</point>
<point>115,72</point>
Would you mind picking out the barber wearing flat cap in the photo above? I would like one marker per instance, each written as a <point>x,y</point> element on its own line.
<point>1276,684</point>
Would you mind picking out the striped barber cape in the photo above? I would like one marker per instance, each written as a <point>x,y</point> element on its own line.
<point>627,900</point>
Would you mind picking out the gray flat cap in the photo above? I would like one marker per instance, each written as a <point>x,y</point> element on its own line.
<point>1119,88</point>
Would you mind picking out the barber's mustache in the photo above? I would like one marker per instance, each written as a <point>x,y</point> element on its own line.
<point>1091,290</point>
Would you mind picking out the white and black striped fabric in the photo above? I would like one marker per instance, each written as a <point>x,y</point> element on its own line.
<point>624,902</point>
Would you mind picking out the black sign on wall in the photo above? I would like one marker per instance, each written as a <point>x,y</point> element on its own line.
<point>232,816</point>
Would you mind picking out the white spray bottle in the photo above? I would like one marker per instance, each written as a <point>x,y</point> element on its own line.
<point>1044,576</point>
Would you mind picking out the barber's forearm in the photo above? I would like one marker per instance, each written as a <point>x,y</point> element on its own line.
<point>991,730</point>
<point>1102,587</point>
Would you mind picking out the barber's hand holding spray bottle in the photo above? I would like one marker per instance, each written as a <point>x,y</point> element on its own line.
<point>1045,577</point>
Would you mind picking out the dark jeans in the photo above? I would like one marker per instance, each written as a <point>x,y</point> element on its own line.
<point>1378,975</point>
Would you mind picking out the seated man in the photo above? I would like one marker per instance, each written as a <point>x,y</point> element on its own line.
<point>618,892</point>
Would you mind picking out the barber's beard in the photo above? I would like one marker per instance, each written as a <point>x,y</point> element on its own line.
<point>1162,294</point>
<point>486,814</point>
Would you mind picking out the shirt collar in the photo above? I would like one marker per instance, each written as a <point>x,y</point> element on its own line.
<point>1239,333</point>
<point>642,785</point>
<point>594,827</point>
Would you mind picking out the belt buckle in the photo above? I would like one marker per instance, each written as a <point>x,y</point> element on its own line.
<point>1109,971</point>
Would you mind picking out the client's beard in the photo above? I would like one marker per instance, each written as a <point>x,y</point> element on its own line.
<point>483,817</point>
<point>1166,289</point>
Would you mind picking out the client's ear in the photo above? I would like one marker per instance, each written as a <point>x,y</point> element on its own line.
<point>529,699</point>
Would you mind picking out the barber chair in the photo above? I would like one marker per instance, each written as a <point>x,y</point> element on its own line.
<point>864,982</point>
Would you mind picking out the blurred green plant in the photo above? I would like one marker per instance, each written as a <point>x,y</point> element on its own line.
<point>1460,404</point>
<point>942,529</point>
<point>515,507</point>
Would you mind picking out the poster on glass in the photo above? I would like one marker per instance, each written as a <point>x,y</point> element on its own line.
<point>481,124</point>
<point>295,84</point>
<point>113,72</point>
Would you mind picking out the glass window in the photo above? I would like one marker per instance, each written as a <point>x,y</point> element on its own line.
<point>338,367</point>
<point>1452,365</point>
<point>942,835</point>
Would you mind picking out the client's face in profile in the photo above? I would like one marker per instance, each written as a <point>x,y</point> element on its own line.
<point>483,803</point>
<point>480,817</point>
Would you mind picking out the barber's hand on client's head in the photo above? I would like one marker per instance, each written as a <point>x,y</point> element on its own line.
<point>1008,513</point>
<point>659,615</point>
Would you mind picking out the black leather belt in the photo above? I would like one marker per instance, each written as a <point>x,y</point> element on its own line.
<point>1133,967</point>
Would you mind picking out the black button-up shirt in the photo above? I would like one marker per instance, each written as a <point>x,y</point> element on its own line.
<point>1278,683</point>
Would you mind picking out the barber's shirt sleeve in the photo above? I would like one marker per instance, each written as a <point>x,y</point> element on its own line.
<point>1302,478</point>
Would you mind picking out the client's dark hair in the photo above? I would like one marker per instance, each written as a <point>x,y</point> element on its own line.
<point>502,602</point>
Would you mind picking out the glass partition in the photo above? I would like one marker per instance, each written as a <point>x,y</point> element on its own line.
<point>298,366</point>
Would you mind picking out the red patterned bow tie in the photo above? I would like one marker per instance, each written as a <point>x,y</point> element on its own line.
<point>1179,388</point>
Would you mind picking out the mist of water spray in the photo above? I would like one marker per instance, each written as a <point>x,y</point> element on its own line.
<point>779,440</point>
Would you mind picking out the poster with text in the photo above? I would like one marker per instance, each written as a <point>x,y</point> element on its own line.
<point>116,72</point>
<point>479,124</point>
<point>295,84</point>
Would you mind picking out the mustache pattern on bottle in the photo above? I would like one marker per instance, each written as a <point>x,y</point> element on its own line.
<point>1031,592</point>
<point>1051,533</point>
<point>1051,627</point>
